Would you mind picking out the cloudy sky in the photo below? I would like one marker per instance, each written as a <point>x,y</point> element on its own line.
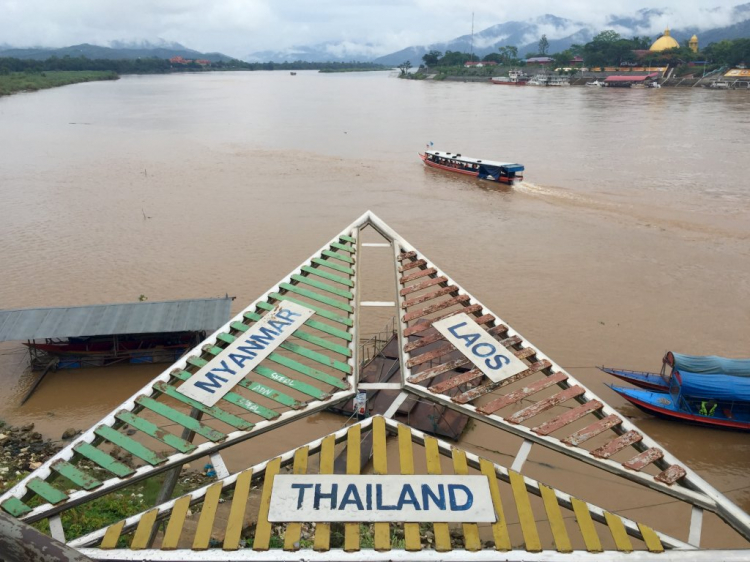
<point>239,27</point>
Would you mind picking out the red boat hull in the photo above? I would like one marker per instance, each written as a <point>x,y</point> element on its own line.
<point>684,416</point>
<point>465,172</point>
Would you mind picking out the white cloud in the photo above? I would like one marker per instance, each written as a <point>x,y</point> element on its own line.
<point>238,27</point>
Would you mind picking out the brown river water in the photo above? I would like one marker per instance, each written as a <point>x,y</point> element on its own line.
<point>630,237</point>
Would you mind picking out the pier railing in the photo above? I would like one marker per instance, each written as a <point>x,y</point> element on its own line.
<point>370,348</point>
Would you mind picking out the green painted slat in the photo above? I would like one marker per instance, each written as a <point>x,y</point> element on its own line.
<point>47,492</point>
<point>318,310</point>
<point>182,419</point>
<point>317,357</point>
<point>239,326</point>
<point>292,383</point>
<point>347,238</point>
<point>337,256</point>
<point>78,477</point>
<point>326,275</point>
<point>15,507</point>
<point>239,400</point>
<point>155,431</point>
<point>215,350</point>
<point>325,344</point>
<point>334,266</point>
<point>311,323</point>
<point>309,371</point>
<point>197,361</point>
<point>103,459</point>
<point>218,413</point>
<point>344,247</point>
<point>272,394</point>
<point>227,338</point>
<point>130,445</point>
<point>249,405</point>
<point>317,297</point>
<point>253,316</point>
<point>322,286</point>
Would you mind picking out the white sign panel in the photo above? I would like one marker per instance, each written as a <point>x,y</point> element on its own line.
<point>225,370</point>
<point>380,498</point>
<point>495,361</point>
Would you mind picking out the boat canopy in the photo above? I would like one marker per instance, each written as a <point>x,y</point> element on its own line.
<point>708,364</point>
<point>510,166</point>
<point>716,387</point>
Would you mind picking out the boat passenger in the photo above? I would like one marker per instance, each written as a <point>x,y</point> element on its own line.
<point>707,408</point>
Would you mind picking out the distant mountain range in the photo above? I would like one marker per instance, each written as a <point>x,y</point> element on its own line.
<point>116,50</point>
<point>561,34</point>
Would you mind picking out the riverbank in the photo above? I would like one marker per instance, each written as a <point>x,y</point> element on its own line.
<point>33,81</point>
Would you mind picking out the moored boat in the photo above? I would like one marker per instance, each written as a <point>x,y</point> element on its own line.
<point>514,78</point>
<point>502,172</point>
<point>641,379</point>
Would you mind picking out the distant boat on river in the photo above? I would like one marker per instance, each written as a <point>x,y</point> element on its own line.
<point>502,172</point>
<point>514,78</point>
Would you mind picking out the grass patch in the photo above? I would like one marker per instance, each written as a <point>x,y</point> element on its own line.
<point>32,81</point>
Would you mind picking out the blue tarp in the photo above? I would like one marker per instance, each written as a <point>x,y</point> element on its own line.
<point>716,387</point>
<point>488,172</point>
<point>711,365</point>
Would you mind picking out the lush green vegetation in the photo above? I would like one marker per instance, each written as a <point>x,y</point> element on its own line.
<point>31,81</point>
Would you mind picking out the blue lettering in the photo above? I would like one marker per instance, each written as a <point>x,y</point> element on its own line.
<point>224,368</point>
<point>368,496</point>
<point>470,338</point>
<point>278,325</point>
<point>412,499</point>
<point>438,500</point>
<point>268,336</point>
<point>240,359</point>
<point>250,349</point>
<point>351,496</point>
<point>483,344</point>
<point>452,329</point>
<point>452,494</point>
<point>379,499</point>
<point>321,496</point>
<point>301,495</point>
<point>498,359</point>
<point>286,314</point>
<point>212,382</point>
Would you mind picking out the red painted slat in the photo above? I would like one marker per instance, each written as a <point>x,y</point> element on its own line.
<point>440,369</point>
<point>437,336</point>
<point>476,374</point>
<point>617,445</point>
<point>419,313</point>
<point>592,430</point>
<point>567,418</point>
<point>546,404</point>
<point>671,475</point>
<point>644,459</point>
<point>411,265</point>
<point>407,255</point>
<point>422,285</point>
<point>475,393</point>
<point>518,395</point>
<point>429,296</point>
<point>430,355</point>
<point>422,326</point>
<point>418,274</point>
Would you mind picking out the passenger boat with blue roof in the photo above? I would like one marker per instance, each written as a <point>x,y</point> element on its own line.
<point>502,172</point>
<point>706,390</point>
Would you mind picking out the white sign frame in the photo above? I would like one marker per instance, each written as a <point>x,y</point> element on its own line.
<point>331,498</point>
<point>212,381</point>
<point>468,337</point>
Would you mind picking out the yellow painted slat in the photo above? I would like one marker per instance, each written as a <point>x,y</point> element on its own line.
<point>380,466</point>
<point>500,527</point>
<point>353,441</point>
<point>653,543</point>
<point>406,456</point>
<point>619,534</point>
<point>556,523</point>
<point>471,530</point>
<point>442,534</point>
<point>294,530</point>
<point>237,513</point>
<point>323,530</point>
<point>206,521</point>
<point>112,536</point>
<point>176,521</point>
<point>143,531</point>
<point>525,514</point>
<point>262,539</point>
<point>586,524</point>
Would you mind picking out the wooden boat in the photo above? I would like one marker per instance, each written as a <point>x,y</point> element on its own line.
<point>641,379</point>
<point>514,78</point>
<point>502,172</point>
<point>106,345</point>
<point>727,415</point>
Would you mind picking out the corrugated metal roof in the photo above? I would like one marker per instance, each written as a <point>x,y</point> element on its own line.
<point>108,319</point>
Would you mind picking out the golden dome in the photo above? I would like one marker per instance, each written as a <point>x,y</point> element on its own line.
<point>665,42</point>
